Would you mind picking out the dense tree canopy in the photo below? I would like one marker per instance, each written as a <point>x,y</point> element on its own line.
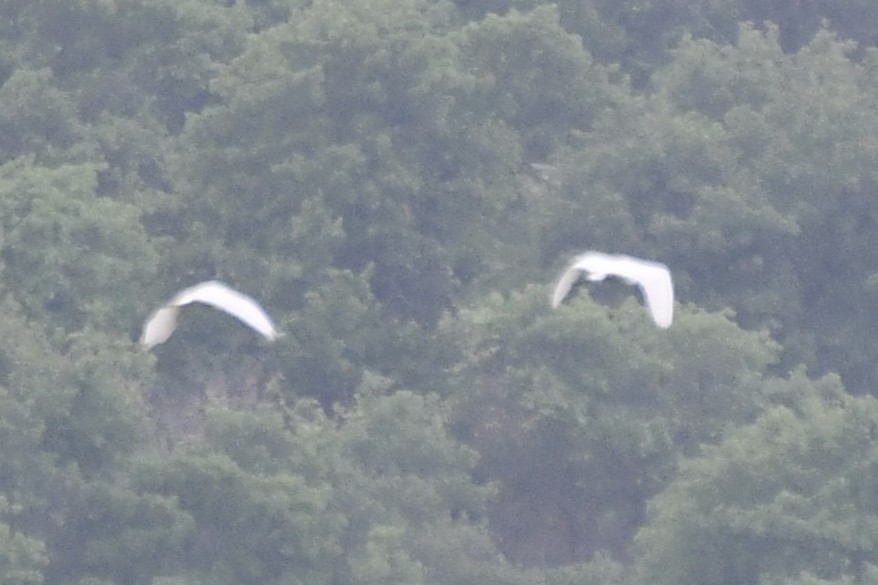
<point>399,182</point>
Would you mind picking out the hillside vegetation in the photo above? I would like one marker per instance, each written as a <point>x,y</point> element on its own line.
<point>365,169</point>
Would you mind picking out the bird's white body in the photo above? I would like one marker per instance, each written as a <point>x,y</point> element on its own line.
<point>161,324</point>
<point>653,279</point>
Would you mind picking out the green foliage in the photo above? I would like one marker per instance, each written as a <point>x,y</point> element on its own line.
<point>528,68</point>
<point>336,334</point>
<point>578,414</point>
<point>382,494</point>
<point>66,251</point>
<point>37,118</point>
<point>325,112</point>
<point>100,417</point>
<point>600,570</point>
<point>384,559</point>
<point>403,436</point>
<point>791,493</point>
<point>803,131</point>
<point>366,169</point>
<point>807,578</point>
<point>248,526</point>
<point>406,489</point>
<point>23,559</point>
<point>133,55</point>
<point>33,390</point>
<point>742,162</point>
<point>117,533</point>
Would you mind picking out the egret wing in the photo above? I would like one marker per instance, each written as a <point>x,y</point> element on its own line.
<point>628,269</point>
<point>565,283</point>
<point>653,279</point>
<point>220,296</point>
<point>658,292</point>
<point>159,327</point>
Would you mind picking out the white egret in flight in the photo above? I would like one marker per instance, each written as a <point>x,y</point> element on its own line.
<point>161,324</point>
<point>653,278</point>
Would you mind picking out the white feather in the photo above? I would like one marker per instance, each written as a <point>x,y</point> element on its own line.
<point>653,279</point>
<point>161,324</point>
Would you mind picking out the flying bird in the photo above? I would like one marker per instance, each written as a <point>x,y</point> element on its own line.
<point>161,324</point>
<point>653,279</point>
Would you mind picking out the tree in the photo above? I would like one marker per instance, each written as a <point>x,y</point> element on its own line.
<point>749,172</point>
<point>579,414</point>
<point>23,558</point>
<point>38,118</point>
<point>378,493</point>
<point>406,488</point>
<point>51,216</point>
<point>115,533</point>
<point>802,127</point>
<point>535,77</point>
<point>791,493</point>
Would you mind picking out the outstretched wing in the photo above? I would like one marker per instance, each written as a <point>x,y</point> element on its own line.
<point>239,305</point>
<point>565,283</point>
<point>658,292</point>
<point>159,327</point>
<point>653,279</point>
